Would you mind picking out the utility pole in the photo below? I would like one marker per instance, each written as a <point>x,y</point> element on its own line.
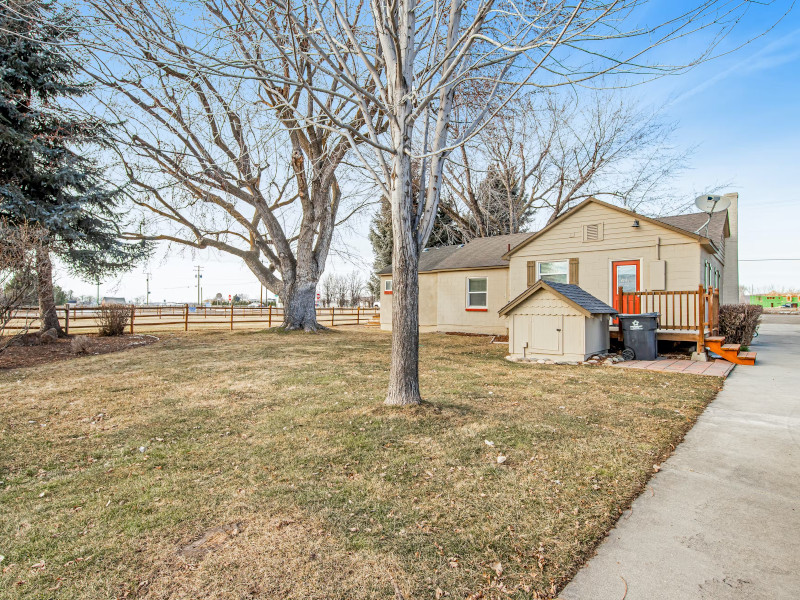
<point>199,277</point>
<point>148,276</point>
<point>98,291</point>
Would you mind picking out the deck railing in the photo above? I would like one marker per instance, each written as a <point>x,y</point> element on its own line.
<point>82,318</point>
<point>679,310</point>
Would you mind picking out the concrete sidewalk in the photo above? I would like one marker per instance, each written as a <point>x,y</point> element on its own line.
<point>721,520</point>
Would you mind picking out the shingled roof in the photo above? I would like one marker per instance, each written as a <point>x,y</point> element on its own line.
<point>477,254</point>
<point>574,295</point>
<point>693,222</point>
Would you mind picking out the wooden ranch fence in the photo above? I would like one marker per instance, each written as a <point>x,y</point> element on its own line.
<point>143,318</point>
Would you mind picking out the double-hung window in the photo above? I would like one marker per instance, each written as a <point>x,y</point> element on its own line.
<point>554,270</point>
<point>477,293</point>
<point>387,286</point>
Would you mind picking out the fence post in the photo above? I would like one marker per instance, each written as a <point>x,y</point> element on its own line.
<point>133,314</point>
<point>269,323</point>
<point>333,312</point>
<point>701,310</point>
<point>66,319</point>
<point>231,315</point>
<point>358,315</point>
<point>186,317</point>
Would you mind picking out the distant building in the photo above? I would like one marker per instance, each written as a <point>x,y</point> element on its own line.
<point>773,299</point>
<point>112,300</point>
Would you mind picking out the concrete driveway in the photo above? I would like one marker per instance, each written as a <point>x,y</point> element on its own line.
<point>721,520</point>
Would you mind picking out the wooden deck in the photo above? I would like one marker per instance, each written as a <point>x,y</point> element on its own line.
<point>713,368</point>
<point>683,315</point>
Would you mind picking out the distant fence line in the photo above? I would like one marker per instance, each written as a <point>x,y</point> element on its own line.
<point>146,317</point>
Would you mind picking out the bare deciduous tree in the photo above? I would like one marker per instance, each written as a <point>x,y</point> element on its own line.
<point>355,286</point>
<point>341,290</point>
<point>419,56</point>
<point>546,155</point>
<point>384,77</point>
<point>20,245</point>
<point>327,289</point>
<point>234,158</point>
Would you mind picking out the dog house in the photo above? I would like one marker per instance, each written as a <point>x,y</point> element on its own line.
<point>557,321</point>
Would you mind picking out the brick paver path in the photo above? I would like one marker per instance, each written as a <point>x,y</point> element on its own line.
<point>715,368</point>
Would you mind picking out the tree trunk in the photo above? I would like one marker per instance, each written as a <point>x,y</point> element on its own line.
<point>404,370</point>
<point>48,315</point>
<point>299,307</point>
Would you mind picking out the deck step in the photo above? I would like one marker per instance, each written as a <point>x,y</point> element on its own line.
<point>729,352</point>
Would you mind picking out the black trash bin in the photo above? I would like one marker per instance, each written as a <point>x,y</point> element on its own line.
<point>639,335</point>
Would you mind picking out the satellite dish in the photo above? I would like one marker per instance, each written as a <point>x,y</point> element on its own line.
<point>710,204</point>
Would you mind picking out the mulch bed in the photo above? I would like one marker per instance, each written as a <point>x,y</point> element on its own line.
<point>18,355</point>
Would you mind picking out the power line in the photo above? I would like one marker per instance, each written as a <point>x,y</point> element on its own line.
<point>199,277</point>
<point>765,259</point>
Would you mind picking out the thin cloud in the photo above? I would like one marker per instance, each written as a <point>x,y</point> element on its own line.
<point>784,50</point>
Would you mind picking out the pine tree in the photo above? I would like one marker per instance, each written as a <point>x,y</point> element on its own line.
<point>46,180</point>
<point>380,236</point>
<point>444,233</point>
<point>501,205</point>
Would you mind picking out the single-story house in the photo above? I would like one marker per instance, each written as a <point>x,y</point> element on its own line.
<point>659,264</point>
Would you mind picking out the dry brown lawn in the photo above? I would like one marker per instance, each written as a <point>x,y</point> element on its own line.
<point>264,465</point>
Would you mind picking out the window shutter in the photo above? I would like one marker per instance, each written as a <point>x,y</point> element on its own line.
<point>573,270</point>
<point>531,272</point>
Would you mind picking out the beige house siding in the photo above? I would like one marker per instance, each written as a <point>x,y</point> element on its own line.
<point>443,302</point>
<point>386,305</point>
<point>428,301</point>
<point>620,241</point>
<point>452,309</point>
<point>598,338</point>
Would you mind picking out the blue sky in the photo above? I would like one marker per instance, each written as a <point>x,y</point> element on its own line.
<point>742,111</point>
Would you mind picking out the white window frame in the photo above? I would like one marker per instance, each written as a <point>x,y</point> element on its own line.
<point>539,264</point>
<point>387,286</point>
<point>475,306</point>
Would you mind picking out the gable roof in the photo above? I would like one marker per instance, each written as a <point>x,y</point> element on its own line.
<point>575,296</point>
<point>593,200</point>
<point>717,227</point>
<point>476,254</point>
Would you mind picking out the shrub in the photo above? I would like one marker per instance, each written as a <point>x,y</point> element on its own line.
<point>739,322</point>
<point>113,319</point>
<point>80,345</point>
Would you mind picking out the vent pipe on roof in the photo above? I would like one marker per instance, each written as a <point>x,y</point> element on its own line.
<point>509,248</point>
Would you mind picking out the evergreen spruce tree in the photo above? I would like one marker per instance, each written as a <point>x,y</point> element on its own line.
<point>444,233</point>
<point>380,236</point>
<point>46,180</point>
<point>501,205</point>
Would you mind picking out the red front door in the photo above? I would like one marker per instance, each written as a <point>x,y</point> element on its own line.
<point>625,275</point>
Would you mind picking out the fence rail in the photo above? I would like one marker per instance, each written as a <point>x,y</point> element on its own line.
<point>144,318</point>
<point>695,311</point>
